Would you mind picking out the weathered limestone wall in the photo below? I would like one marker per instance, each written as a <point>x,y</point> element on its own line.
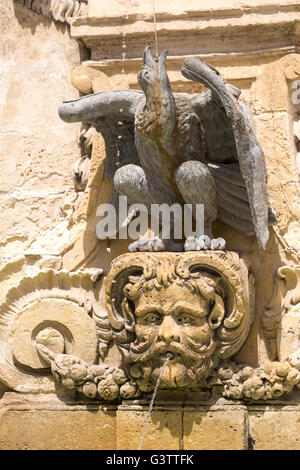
<point>37,149</point>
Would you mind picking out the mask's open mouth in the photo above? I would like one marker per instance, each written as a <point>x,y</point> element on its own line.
<point>169,355</point>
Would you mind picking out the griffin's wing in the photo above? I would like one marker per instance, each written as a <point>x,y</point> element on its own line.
<point>232,198</point>
<point>112,114</point>
<point>230,137</point>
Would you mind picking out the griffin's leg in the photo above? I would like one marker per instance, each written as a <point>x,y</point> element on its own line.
<point>132,181</point>
<point>197,186</point>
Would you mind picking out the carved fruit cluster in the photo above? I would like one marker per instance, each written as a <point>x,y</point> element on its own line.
<point>265,383</point>
<point>108,383</point>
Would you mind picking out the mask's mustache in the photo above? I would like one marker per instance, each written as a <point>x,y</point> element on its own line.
<point>202,349</point>
<point>188,350</point>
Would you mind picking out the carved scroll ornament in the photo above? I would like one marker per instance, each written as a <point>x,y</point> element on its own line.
<point>282,316</point>
<point>58,310</point>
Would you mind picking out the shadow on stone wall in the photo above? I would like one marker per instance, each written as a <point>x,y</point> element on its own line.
<point>30,19</point>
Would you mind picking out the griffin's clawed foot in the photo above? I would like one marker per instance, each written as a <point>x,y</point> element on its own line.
<point>152,244</point>
<point>204,243</point>
<point>155,244</point>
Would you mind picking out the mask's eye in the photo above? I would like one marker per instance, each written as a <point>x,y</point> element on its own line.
<point>184,319</point>
<point>152,318</point>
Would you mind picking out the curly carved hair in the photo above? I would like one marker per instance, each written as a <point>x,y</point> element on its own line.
<point>200,282</point>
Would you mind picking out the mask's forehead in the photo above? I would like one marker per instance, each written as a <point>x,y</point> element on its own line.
<point>168,299</point>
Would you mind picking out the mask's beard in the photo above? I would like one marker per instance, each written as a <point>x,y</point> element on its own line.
<point>178,375</point>
<point>191,363</point>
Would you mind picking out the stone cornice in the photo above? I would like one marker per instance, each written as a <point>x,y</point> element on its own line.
<point>194,9</point>
<point>60,10</point>
<point>243,30</point>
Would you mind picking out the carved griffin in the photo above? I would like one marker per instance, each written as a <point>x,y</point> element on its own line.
<point>165,147</point>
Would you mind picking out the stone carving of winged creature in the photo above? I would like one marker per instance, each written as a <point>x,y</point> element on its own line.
<point>165,147</point>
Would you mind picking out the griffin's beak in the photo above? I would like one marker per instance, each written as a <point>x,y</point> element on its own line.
<point>148,59</point>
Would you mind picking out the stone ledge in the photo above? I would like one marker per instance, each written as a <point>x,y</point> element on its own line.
<point>164,430</point>
<point>47,422</point>
<point>275,429</point>
<point>57,430</point>
<point>245,30</point>
<point>217,9</point>
<point>215,430</point>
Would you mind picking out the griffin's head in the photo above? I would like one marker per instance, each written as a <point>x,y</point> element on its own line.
<point>153,75</point>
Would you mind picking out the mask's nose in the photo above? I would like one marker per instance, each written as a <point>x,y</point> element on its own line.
<point>169,330</point>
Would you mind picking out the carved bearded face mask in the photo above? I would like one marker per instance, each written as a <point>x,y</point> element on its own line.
<point>168,305</point>
<point>180,320</point>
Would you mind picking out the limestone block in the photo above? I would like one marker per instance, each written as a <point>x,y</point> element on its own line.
<point>164,430</point>
<point>275,429</point>
<point>274,132</point>
<point>223,429</point>
<point>273,79</point>
<point>46,429</point>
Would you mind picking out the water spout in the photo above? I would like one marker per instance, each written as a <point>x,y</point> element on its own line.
<point>168,358</point>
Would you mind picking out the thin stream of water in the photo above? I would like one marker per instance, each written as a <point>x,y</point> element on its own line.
<point>155,31</point>
<point>124,49</point>
<point>169,357</point>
